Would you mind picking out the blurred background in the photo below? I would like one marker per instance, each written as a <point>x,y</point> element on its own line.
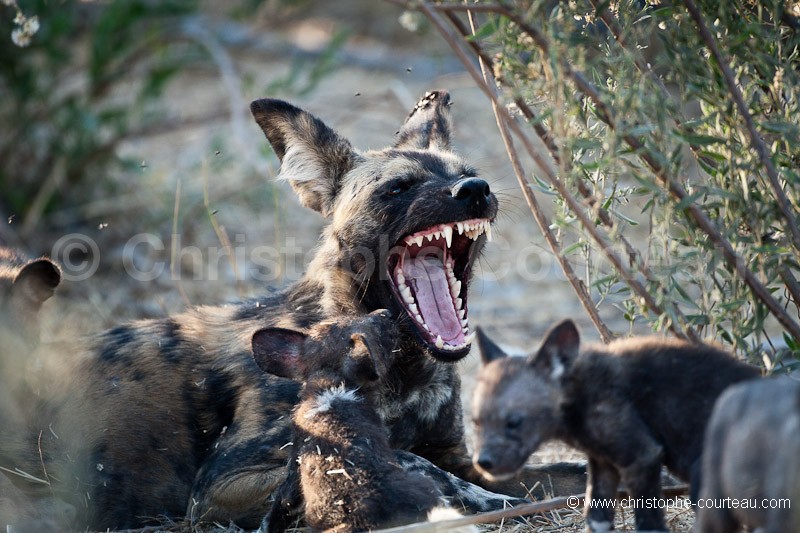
<point>128,153</point>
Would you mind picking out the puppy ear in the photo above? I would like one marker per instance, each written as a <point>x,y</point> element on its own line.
<point>36,282</point>
<point>369,359</point>
<point>559,350</point>
<point>428,124</point>
<point>488,349</point>
<point>278,351</point>
<point>314,158</point>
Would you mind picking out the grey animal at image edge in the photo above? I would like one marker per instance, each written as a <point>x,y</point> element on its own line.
<point>25,285</point>
<point>631,406</point>
<point>343,473</point>
<point>172,418</point>
<point>752,455</point>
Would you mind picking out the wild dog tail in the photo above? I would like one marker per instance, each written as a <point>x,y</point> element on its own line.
<point>443,514</point>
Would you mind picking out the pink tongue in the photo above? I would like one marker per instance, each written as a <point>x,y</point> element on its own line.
<point>428,280</point>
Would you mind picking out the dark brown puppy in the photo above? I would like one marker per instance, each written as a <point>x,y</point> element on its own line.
<point>631,406</point>
<point>342,467</point>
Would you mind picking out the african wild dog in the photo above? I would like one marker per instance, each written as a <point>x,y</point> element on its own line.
<point>752,455</point>
<point>631,406</point>
<point>172,417</point>
<point>24,287</point>
<point>342,470</point>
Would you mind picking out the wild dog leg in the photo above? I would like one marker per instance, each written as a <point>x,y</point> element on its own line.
<point>602,486</point>
<point>461,494</point>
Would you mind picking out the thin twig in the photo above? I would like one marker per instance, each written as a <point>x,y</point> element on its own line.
<point>756,142</point>
<point>541,219</point>
<point>700,218</point>
<point>456,43</point>
<point>565,502</point>
<point>222,235</point>
<point>174,262</point>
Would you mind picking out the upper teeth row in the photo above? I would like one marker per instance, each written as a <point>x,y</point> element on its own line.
<point>472,229</point>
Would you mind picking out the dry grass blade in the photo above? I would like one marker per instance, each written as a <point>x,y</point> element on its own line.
<point>492,516</point>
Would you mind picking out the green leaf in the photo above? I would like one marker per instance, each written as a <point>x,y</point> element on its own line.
<point>489,28</point>
<point>697,139</point>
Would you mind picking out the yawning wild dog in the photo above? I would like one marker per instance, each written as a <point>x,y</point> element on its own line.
<point>172,417</point>
<point>631,406</point>
<point>752,456</point>
<point>342,470</point>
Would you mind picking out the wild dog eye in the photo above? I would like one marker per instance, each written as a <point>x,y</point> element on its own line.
<point>398,187</point>
<point>514,421</point>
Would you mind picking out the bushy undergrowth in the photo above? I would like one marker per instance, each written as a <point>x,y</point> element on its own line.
<point>674,129</point>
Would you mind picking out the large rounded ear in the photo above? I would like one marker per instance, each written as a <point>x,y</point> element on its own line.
<point>559,350</point>
<point>314,159</point>
<point>36,282</point>
<point>279,351</point>
<point>428,124</point>
<point>488,349</point>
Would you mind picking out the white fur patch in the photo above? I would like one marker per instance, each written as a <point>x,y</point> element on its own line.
<point>599,527</point>
<point>441,514</point>
<point>327,397</point>
<point>557,368</point>
<point>298,165</point>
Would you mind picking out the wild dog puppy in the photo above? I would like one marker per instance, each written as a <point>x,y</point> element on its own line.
<point>173,418</point>
<point>631,406</point>
<point>342,469</point>
<point>25,285</point>
<point>752,455</point>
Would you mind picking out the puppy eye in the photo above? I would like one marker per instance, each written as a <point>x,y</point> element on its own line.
<point>514,421</point>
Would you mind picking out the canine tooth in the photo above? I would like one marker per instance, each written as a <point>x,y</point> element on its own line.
<point>488,229</point>
<point>455,290</point>
<point>439,342</point>
<point>448,235</point>
<point>469,338</point>
<point>460,227</point>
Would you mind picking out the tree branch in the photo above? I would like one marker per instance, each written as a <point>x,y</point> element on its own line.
<point>756,142</point>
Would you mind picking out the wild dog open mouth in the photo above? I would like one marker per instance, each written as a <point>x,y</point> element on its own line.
<point>430,276</point>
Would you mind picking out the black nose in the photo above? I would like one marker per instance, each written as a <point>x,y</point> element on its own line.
<point>485,462</point>
<point>471,190</point>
